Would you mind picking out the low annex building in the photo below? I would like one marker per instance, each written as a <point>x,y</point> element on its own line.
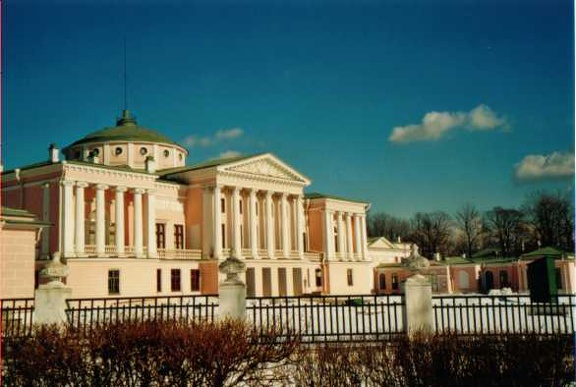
<point>129,217</point>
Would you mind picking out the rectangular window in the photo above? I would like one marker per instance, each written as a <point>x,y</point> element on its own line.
<point>179,236</point>
<point>175,282</point>
<point>240,206</point>
<point>222,205</point>
<point>256,208</point>
<point>195,280</point>
<point>350,277</point>
<point>223,228</point>
<point>114,281</point>
<point>158,280</point>
<point>160,235</point>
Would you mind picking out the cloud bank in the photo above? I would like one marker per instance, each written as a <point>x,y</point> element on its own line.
<point>229,154</point>
<point>434,125</point>
<point>556,165</point>
<point>206,141</point>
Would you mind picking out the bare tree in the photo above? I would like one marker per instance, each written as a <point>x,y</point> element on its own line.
<point>470,222</point>
<point>431,232</point>
<point>506,227</point>
<point>391,227</point>
<point>552,218</point>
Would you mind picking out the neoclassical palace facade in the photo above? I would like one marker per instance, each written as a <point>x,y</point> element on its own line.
<point>130,218</point>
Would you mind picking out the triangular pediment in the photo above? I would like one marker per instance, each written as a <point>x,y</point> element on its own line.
<point>381,243</point>
<point>266,166</point>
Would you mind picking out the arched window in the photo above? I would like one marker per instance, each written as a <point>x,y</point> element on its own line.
<point>394,281</point>
<point>463,280</point>
<point>382,281</point>
<point>318,273</point>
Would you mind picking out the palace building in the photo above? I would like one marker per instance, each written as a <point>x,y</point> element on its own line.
<point>129,217</point>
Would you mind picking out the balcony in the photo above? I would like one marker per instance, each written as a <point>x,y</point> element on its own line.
<point>111,252</point>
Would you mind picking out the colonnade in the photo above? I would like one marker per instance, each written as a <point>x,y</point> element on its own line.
<point>271,225</point>
<point>73,232</point>
<point>345,235</point>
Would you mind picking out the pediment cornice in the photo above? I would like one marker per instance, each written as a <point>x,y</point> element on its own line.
<point>265,167</point>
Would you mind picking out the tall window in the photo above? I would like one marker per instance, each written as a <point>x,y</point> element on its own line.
<point>114,281</point>
<point>318,274</point>
<point>503,278</point>
<point>382,281</point>
<point>160,235</point>
<point>223,230</point>
<point>240,206</point>
<point>195,280</point>
<point>222,205</point>
<point>175,280</point>
<point>179,236</point>
<point>350,277</point>
<point>158,280</point>
<point>395,281</point>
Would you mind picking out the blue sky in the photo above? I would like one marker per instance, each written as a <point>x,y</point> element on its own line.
<point>410,105</point>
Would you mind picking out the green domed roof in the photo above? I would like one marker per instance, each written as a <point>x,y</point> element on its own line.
<point>126,129</point>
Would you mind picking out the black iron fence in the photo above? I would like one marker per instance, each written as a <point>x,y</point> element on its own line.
<point>17,316</point>
<point>320,318</point>
<point>483,314</point>
<point>329,318</point>
<point>90,312</point>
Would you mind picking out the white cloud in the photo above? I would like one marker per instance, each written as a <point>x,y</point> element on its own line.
<point>434,125</point>
<point>229,133</point>
<point>229,154</point>
<point>556,165</point>
<point>195,141</point>
<point>220,135</point>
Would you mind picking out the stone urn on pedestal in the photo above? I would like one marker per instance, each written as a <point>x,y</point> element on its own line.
<point>232,291</point>
<point>418,313</point>
<point>50,298</point>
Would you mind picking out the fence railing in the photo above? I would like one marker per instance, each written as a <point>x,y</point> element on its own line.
<point>329,318</point>
<point>17,316</point>
<point>503,314</point>
<point>90,312</point>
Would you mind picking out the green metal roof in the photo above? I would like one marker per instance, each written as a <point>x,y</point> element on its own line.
<point>126,129</point>
<point>205,164</point>
<point>543,252</point>
<point>317,195</point>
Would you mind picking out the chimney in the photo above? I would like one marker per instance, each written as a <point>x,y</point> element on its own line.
<point>150,164</point>
<point>53,153</point>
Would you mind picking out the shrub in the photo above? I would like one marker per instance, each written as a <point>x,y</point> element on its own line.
<point>148,353</point>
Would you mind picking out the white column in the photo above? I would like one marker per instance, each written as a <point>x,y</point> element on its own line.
<point>237,242</point>
<point>285,229</point>
<point>119,202</point>
<point>364,239</point>
<point>299,226</point>
<point>100,219</point>
<point>138,224</point>
<point>357,237</point>
<point>67,225</point>
<point>207,219</point>
<point>269,225</point>
<point>151,222</point>
<point>328,235</point>
<point>340,228</point>
<point>217,229</point>
<point>46,218</point>
<point>349,245</point>
<point>80,213</point>
<point>253,224</point>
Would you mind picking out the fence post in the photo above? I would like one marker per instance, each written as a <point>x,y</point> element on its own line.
<point>418,311</point>
<point>50,298</point>
<point>232,291</point>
